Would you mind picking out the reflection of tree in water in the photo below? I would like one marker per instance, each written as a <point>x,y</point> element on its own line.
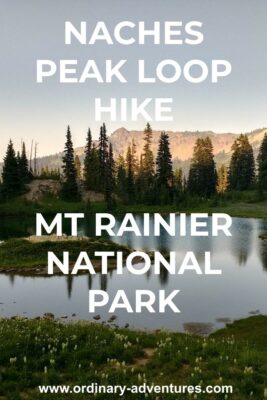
<point>148,274</point>
<point>90,281</point>
<point>69,285</point>
<point>263,254</point>
<point>103,282</point>
<point>241,240</point>
<point>263,244</point>
<point>163,276</point>
<point>88,226</point>
<point>11,277</point>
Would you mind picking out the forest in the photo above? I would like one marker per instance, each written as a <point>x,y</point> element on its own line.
<point>147,180</point>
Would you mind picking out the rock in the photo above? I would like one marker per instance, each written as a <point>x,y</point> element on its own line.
<point>254,312</point>
<point>18,317</point>
<point>198,328</point>
<point>97,317</point>
<point>223,320</point>
<point>64,317</point>
<point>39,187</point>
<point>48,315</point>
<point>73,315</point>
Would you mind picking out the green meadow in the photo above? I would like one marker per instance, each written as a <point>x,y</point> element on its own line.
<point>47,352</point>
<point>240,204</point>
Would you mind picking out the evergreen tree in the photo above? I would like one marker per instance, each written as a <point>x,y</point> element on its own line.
<point>46,173</point>
<point>222,183</point>
<point>11,183</point>
<point>202,177</point>
<point>77,162</point>
<point>178,184</point>
<point>148,158</point>
<point>130,189</point>
<point>134,159</point>
<point>164,173</point>
<point>103,152</point>
<point>91,172</point>
<point>121,178</point>
<point>87,161</point>
<point>242,165</point>
<point>70,190</point>
<point>145,181</point>
<point>109,182</point>
<point>18,158</point>
<point>262,165</point>
<point>94,179</point>
<point>23,164</point>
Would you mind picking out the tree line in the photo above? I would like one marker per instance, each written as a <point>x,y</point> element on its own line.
<point>152,180</point>
<point>145,179</point>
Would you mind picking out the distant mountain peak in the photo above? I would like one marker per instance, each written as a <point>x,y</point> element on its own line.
<point>120,131</point>
<point>181,144</point>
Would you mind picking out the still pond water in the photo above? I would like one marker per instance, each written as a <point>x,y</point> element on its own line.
<point>240,291</point>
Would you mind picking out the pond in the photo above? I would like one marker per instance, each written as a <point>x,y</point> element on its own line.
<point>206,302</point>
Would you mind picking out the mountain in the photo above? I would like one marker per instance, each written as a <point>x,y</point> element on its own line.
<point>182,144</point>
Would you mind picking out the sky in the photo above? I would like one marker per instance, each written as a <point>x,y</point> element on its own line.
<point>35,29</point>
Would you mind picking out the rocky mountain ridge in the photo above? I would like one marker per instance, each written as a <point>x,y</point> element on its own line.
<point>181,143</point>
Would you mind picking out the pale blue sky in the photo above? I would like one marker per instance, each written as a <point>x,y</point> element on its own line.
<point>34,29</point>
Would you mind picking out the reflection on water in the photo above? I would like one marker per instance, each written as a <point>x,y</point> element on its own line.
<point>263,254</point>
<point>206,299</point>
<point>243,237</point>
<point>263,245</point>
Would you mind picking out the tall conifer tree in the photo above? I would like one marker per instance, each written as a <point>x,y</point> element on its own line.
<point>103,152</point>
<point>12,184</point>
<point>164,172</point>
<point>87,160</point>
<point>145,181</point>
<point>134,159</point>
<point>130,187</point>
<point>121,177</point>
<point>70,190</point>
<point>148,158</point>
<point>202,177</point>
<point>222,183</point>
<point>242,165</point>
<point>23,163</point>
<point>92,179</point>
<point>262,165</point>
<point>109,182</point>
<point>77,163</point>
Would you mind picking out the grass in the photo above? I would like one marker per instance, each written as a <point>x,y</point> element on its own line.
<point>237,204</point>
<point>240,204</point>
<point>21,253</point>
<point>49,205</point>
<point>47,352</point>
<point>238,209</point>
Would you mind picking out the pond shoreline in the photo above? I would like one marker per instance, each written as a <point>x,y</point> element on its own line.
<point>28,256</point>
